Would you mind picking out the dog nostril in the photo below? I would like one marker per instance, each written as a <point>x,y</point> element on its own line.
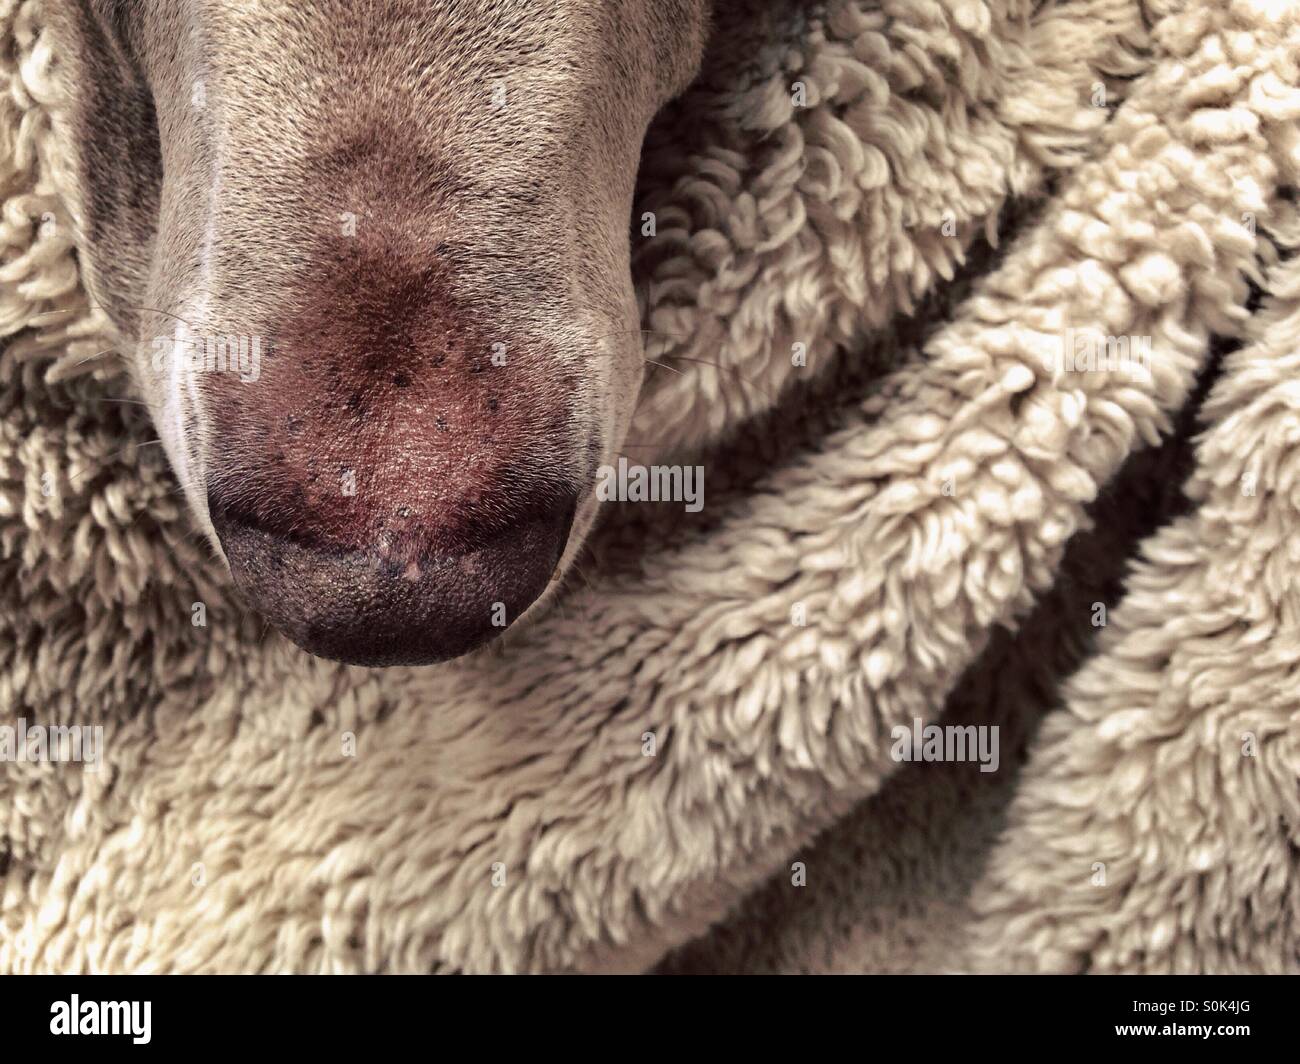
<point>396,600</point>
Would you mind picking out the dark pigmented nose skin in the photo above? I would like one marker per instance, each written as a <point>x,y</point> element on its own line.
<point>389,606</point>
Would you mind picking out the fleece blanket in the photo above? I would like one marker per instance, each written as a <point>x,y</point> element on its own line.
<point>982,318</point>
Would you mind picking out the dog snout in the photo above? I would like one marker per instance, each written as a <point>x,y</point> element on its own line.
<point>408,532</point>
<point>400,600</point>
<point>387,491</point>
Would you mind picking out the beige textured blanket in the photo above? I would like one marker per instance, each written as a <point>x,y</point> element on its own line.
<point>875,224</point>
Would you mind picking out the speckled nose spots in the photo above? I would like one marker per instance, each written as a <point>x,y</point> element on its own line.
<point>383,411</point>
<point>389,471</point>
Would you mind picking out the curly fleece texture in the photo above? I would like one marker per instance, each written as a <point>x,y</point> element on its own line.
<point>918,519</point>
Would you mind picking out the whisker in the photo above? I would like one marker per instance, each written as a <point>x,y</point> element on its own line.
<point>725,369</point>
<point>583,573</point>
<point>99,306</point>
<point>124,450</point>
<point>559,605</point>
<point>117,350</point>
<point>688,358</point>
<point>586,613</point>
<point>164,313</point>
<point>97,354</point>
<point>172,492</point>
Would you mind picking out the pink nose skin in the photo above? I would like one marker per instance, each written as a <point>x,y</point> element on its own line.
<point>399,481</point>
<point>395,603</point>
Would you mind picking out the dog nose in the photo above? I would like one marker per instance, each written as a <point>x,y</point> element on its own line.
<point>398,601</point>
